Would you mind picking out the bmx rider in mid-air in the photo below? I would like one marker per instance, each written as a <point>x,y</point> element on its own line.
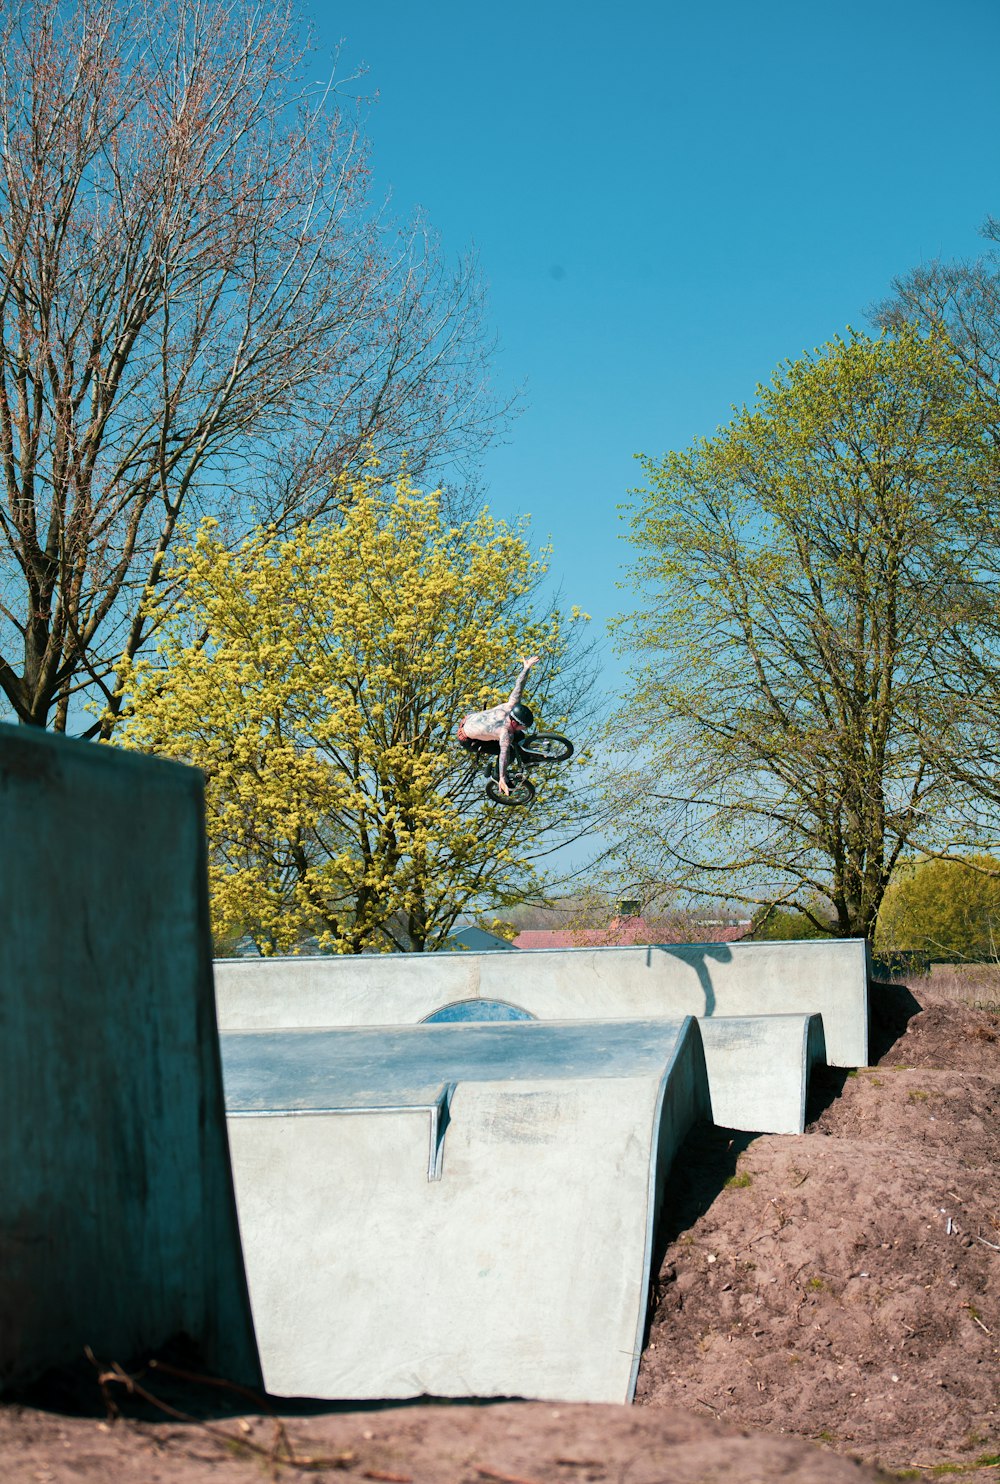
<point>501,723</point>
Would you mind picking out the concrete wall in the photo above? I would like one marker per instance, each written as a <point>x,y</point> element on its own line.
<point>520,1265</point>
<point>828,978</point>
<point>117,1217</point>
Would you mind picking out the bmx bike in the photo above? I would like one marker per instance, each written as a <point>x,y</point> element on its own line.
<point>527,751</point>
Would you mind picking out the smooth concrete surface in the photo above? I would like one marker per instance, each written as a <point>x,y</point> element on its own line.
<point>456,1210</point>
<point>117,1217</point>
<point>759,1068</point>
<point>828,978</point>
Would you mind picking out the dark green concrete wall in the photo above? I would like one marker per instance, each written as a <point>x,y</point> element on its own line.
<point>117,1218</point>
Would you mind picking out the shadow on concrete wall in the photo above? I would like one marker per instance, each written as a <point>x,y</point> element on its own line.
<point>118,1224</point>
<point>698,956</point>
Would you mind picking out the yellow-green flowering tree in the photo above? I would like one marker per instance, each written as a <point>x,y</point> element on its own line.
<point>949,909</point>
<point>318,681</point>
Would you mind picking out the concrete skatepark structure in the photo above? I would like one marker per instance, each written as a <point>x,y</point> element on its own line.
<point>827,978</point>
<point>517,1167</point>
<point>117,1220</point>
<point>502,1246</point>
<point>757,1003</point>
<point>503,1184</point>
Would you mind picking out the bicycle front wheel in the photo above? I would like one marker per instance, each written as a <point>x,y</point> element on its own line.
<point>522,791</point>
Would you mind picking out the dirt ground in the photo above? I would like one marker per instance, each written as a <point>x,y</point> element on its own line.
<point>827,1309</point>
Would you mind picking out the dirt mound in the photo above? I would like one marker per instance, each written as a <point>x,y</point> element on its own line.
<point>844,1285</point>
<point>509,1443</point>
<point>821,1300</point>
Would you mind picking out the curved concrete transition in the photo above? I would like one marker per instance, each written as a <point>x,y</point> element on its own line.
<point>477,1010</point>
<point>759,1068</point>
<point>117,1219</point>
<point>455,1209</point>
<point>708,980</point>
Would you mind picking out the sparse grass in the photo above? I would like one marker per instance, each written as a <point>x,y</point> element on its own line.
<point>816,1284</point>
<point>984,1461</point>
<point>917,1095</point>
<point>740,1181</point>
<point>976,1439</point>
<point>977,985</point>
<point>942,1470</point>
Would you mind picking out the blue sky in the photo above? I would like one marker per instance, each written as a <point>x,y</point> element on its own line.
<point>667,201</point>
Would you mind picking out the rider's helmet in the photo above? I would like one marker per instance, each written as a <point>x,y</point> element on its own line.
<point>523,715</point>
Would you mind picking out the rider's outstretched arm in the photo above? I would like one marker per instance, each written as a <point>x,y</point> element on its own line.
<point>504,754</point>
<point>515,694</point>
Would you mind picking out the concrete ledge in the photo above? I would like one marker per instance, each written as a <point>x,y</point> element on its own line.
<point>117,1223</point>
<point>712,980</point>
<point>522,1267</point>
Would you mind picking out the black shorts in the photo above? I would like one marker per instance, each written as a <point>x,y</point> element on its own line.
<point>478,745</point>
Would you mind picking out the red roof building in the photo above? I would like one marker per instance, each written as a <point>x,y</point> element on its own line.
<point>621,932</point>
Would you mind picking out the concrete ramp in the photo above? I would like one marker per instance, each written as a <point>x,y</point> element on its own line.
<point>759,1068</point>
<point>117,1220</point>
<point>708,980</point>
<point>456,1210</point>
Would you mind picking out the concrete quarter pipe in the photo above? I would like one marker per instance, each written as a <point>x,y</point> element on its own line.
<point>117,1219</point>
<point>456,1210</point>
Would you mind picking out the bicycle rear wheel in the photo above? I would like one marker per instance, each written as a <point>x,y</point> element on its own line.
<point>547,747</point>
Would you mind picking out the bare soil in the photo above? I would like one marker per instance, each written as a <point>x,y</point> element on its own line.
<point>827,1309</point>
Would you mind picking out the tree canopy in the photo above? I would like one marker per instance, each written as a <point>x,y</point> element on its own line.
<point>200,312</point>
<point>318,680</point>
<point>814,578</point>
<point>961,300</point>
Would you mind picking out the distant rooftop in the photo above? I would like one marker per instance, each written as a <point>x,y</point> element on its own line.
<point>477,939</point>
<point>621,932</point>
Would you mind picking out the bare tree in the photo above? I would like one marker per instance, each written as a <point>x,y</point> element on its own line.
<point>963,299</point>
<point>199,313</point>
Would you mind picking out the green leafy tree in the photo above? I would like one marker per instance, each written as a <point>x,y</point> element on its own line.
<point>813,576</point>
<point>318,681</point>
<point>948,909</point>
<point>962,301</point>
